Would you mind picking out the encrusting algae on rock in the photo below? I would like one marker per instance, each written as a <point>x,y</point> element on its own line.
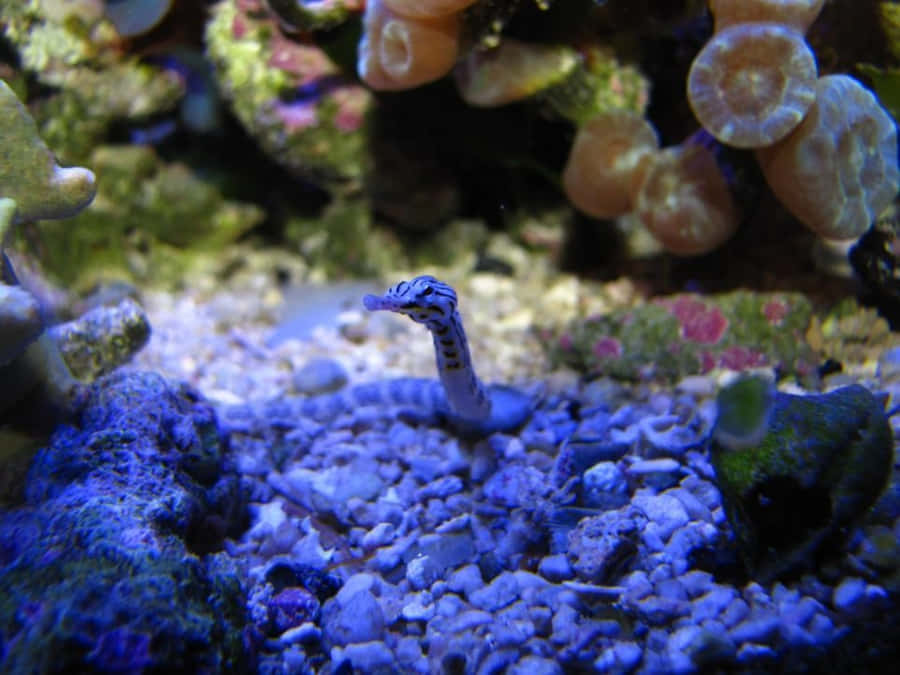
<point>796,471</point>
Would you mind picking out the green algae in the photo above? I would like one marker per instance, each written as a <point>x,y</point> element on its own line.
<point>821,463</point>
<point>149,221</point>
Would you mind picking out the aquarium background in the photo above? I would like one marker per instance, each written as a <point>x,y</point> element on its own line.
<point>449,336</point>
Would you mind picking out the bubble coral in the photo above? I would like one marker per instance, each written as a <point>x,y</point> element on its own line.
<point>427,9</point>
<point>796,14</point>
<point>838,170</point>
<point>685,201</point>
<point>400,52</point>
<point>752,83</point>
<point>607,163</point>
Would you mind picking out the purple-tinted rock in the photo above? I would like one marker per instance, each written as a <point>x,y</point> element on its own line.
<point>355,619</point>
<point>292,607</point>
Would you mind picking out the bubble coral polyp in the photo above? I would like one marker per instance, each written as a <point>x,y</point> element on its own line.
<point>685,201</point>
<point>402,52</point>
<point>796,14</point>
<point>838,170</point>
<point>608,161</point>
<point>752,83</point>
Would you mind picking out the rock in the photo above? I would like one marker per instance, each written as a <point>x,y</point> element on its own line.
<point>848,594</point>
<point>555,567</point>
<point>367,657</point>
<point>320,376</point>
<point>357,618</point>
<point>602,547</point>
<point>664,512</point>
<point>819,463</point>
<point>120,492</point>
<point>503,590</point>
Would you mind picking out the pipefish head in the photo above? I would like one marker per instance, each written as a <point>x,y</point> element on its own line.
<point>423,299</point>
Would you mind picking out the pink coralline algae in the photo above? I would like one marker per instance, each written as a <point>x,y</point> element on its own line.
<point>699,322</point>
<point>689,334</point>
<point>352,102</point>
<point>307,62</point>
<point>775,312</point>
<point>607,347</point>
<point>741,358</point>
<point>305,109</point>
<point>298,115</point>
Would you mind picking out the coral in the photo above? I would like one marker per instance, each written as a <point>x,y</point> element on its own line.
<point>102,339</point>
<point>88,82</point>
<point>752,83</point>
<point>35,375</point>
<point>512,71</point>
<point>307,16</point>
<point>599,83</point>
<point>289,95</point>
<point>608,161</point>
<point>850,333</point>
<point>821,463</point>
<point>20,321</point>
<point>681,335</point>
<point>20,315</point>
<point>685,201</point>
<point>150,220</point>
<point>838,170</point>
<point>110,566</point>
<point>797,14</point>
<point>401,52</point>
<point>135,17</point>
<point>427,8</point>
<point>29,174</point>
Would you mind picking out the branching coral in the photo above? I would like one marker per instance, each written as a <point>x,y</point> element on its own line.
<point>29,174</point>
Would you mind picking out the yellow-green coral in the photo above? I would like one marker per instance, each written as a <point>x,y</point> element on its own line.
<point>29,174</point>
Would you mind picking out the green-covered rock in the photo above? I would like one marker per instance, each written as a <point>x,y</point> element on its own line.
<point>29,174</point>
<point>821,463</point>
<point>149,220</point>
<point>297,102</point>
<point>88,80</point>
<point>687,334</point>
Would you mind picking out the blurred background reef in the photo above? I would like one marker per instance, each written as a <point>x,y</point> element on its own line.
<point>571,127</point>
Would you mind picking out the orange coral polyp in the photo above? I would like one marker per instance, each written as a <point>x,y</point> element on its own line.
<point>752,84</point>
<point>685,201</point>
<point>398,52</point>
<point>838,170</point>
<point>427,9</point>
<point>796,14</point>
<point>607,162</point>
